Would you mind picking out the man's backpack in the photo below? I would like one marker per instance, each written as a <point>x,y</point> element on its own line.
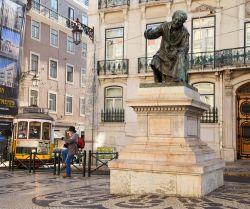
<point>80,143</point>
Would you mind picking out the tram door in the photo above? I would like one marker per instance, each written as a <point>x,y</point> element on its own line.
<point>243,129</point>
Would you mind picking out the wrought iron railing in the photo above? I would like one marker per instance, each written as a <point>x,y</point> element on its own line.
<point>210,116</point>
<point>208,60</point>
<point>112,115</point>
<point>112,3</point>
<point>145,1</point>
<point>50,14</point>
<point>112,67</point>
<point>144,64</point>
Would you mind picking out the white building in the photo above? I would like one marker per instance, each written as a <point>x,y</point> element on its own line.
<point>218,67</point>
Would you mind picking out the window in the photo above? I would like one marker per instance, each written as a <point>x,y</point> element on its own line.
<point>70,45</point>
<point>54,5</point>
<point>113,98</point>
<point>53,69</point>
<point>54,8</point>
<point>33,97</point>
<point>203,35</point>
<point>69,105</point>
<point>114,44</point>
<point>152,45</point>
<point>52,101</point>
<point>46,131</point>
<point>71,14</point>
<point>54,37</point>
<point>206,91</point>
<point>84,50</point>
<point>83,77</point>
<point>34,60</point>
<point>36,5</point>
<point>69,73</point>
<point>247,34</point>
<point>35,29</point>
<point>85,19</point>
<point>34,130</point>
<point>82,106</point>
<point>22,130</point>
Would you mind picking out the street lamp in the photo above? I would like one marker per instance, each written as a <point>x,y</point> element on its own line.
<point>77,31</point>
<point>35,78</point>
<point>77,37</point>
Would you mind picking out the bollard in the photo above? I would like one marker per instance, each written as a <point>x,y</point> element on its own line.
<point>89,164</point>
<point>30,160</point>
<point>34,161</point>
<point>10,160</point>
<point>13,161</point>
<point>59,163</point>
<point>55,156</point>
<point>84,164</point>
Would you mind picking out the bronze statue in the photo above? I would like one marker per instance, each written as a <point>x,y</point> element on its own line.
<point>170,62</point>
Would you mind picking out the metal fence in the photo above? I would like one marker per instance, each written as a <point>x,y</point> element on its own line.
<point>82,163</point>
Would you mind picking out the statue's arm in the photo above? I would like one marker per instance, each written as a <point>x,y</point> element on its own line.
<point>153,33</point>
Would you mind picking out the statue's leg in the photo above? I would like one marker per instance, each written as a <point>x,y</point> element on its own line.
<point>157,75</point>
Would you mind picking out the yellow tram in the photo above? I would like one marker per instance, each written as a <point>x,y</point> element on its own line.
<point>33,132</point>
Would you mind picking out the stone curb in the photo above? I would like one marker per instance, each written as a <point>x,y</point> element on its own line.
<point>247,174</point>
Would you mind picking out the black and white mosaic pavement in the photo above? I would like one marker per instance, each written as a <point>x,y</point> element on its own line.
<point>20,190</point>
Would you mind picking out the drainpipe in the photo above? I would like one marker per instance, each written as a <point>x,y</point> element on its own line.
<point>221,115</point>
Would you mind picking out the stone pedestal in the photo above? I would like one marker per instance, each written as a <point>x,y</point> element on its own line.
<point>167,156</point>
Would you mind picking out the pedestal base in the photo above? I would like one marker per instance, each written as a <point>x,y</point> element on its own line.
<point>173,180</point>
<point>167,157</point>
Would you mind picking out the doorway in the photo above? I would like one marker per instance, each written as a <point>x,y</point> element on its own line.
<point>243,121</point>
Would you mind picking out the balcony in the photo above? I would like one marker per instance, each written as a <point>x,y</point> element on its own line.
<point>50,14</point>
<point>112,115</point>
<point>144,65</point>
<point>208,61</point>
<point>210,116</point>
<point>104,4</point>
<point>149,1</point>
<point>112,67</point>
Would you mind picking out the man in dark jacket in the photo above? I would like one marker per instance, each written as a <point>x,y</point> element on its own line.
<point>170,62</point>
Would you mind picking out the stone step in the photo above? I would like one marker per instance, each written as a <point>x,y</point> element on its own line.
<point>188,157</point>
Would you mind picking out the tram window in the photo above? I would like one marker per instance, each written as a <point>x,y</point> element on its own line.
<point>22,130</point>
<point>35,130</point>
<point>46,131</point>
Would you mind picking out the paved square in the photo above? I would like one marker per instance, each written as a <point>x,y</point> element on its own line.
<point>20,190</point>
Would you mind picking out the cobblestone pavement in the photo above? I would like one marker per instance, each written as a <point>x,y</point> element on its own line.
<point>20,190</point>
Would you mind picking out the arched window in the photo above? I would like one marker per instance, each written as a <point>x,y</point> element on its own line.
<point>113,98</point>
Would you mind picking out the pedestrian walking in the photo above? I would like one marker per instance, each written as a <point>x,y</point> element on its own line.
<point>70,151</point>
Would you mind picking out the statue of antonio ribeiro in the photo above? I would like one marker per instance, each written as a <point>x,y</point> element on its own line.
<point>170,62</point>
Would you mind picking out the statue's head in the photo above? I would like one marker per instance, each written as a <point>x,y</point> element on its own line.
<point>178,18</point>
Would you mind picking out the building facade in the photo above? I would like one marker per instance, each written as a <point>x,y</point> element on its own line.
<point>218,67</point>
<point>47,52</point>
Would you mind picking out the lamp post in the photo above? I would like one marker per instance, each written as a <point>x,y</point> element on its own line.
<point>77,29</point>
<point>35,78</point>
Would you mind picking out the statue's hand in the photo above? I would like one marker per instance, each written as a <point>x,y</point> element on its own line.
<point>146,32</point>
